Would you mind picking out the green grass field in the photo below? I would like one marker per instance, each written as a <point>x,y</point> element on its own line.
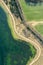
<point>13,51</point>
<point>39,28</point>
<point>32,12</point>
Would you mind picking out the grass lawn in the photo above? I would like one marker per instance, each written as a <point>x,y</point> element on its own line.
<point>39,28</point>
<point>32,12</point>
<point>13,51</point>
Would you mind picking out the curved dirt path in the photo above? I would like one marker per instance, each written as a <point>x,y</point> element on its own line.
<point>34,23</point>
<point>36,45</point>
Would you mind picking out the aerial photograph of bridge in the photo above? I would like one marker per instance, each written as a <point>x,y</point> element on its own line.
<point>21,32</point>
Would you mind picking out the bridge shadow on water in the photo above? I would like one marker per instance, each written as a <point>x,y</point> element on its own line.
<point>16,50</point>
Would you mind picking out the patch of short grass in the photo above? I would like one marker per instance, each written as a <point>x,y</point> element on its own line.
<point>32,12</point>
<point>39,28</point>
